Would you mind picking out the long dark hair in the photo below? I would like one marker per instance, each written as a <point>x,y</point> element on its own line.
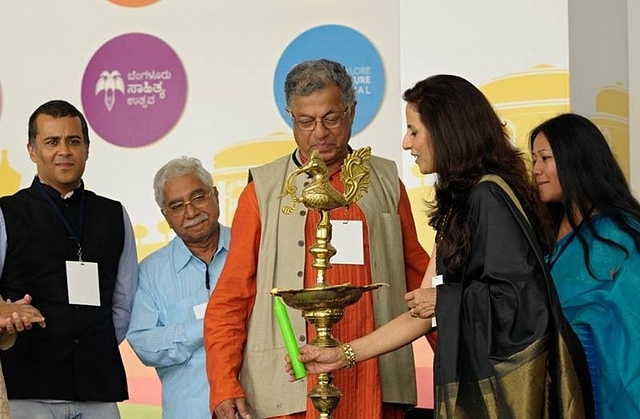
<point>590,178</point>
<point>468,141</point>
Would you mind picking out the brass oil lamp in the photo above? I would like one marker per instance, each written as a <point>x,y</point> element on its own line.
<point>323,304</point>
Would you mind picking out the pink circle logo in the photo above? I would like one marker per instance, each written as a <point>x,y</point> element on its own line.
<point>134,90</point>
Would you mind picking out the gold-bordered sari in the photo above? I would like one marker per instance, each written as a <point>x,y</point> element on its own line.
<point>504,347</point>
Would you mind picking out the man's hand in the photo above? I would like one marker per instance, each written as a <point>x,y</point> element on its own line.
<point>228,408</point>
<point>19,316</point>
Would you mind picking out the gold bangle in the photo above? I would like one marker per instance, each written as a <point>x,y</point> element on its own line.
<point>349,355</point>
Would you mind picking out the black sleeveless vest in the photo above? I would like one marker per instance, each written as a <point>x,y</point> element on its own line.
<point>76,356</point>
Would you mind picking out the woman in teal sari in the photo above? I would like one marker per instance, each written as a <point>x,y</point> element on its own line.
<point>596,260</point>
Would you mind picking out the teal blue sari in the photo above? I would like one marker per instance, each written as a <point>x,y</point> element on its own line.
<point>604,310</point>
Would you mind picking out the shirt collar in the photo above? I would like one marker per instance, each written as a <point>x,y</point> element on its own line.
<point>53,192</point>
<point>182,255</point>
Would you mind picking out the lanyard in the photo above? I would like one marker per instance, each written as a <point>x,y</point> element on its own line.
<point>77,236</point>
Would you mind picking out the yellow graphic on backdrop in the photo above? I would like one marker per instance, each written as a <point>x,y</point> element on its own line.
<point>231,166</point>
<point>523,100</point>
<point>9,178</point>
<point>141,232</point>
<point>612,117</point>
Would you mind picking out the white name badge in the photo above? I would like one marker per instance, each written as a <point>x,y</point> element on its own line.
<point>347,239</point>
<point>82,283</point>
<point>199,310</point>
<point>435,281</point>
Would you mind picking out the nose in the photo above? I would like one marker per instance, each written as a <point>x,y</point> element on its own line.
<point>190,210</point>
<point>406,142</point>
<point>536,168</point>
<point>63,148</point>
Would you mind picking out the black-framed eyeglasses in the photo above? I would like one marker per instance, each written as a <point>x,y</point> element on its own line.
<point>330,121</point>
<point>199,200</point>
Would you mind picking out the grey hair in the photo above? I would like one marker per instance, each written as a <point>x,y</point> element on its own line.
<point>175,168</point>
<point>313,75</point>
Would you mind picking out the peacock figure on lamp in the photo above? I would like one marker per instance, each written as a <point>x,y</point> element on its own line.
<point>323,304</point>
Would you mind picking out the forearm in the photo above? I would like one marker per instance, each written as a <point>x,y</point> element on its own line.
<point>168,345</point>
<point>393,335</point>
<point>225,335</point>
<point>224,340</point>
<point>231,303</point>
<point>126,282</point>
<point>223,362</point>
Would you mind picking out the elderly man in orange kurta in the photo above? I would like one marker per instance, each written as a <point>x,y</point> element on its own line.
<point>244,349</point>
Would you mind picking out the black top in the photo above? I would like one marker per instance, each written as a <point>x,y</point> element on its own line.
<point>501,312</point>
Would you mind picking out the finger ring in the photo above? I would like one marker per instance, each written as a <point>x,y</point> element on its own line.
<point>414,314</point>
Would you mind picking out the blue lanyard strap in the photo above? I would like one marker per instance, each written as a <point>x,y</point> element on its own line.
<point>77,236</point>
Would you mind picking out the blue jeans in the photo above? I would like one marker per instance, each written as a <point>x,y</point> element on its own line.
<point>29,409</point>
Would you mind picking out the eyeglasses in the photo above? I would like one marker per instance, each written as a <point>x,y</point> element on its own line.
<point>331,121</point>
<point>199,200</point>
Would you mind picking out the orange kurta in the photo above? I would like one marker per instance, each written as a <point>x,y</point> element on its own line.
<point>234,295</point>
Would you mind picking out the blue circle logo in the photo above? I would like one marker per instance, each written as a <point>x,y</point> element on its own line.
<point>346,46</point>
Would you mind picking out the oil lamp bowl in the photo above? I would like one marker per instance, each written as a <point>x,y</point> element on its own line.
<point>323,297</point>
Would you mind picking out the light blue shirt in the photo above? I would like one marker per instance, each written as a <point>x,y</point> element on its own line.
<point>126,280</point>
<point>165,330</point>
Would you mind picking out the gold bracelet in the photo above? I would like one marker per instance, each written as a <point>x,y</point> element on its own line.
<point>349,355</point>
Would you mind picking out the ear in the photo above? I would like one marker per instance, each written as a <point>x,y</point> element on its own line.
<point>32,152</point>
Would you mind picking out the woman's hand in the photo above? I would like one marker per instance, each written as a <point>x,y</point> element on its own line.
<point>422,302</point>
<point>318,360</point>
